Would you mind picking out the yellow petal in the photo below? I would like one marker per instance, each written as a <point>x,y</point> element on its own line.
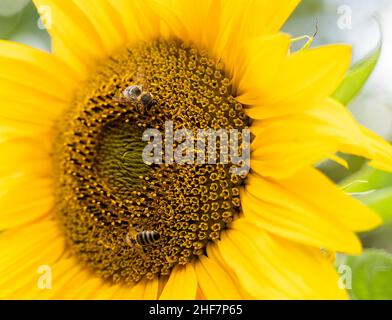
<point>74,37</point>
<point>307,219</point>
<point>214,254</point>
<point>182,284</point>
<point>272,268</point>
<point>24,201</point>
<point>72,280</point>
<point>14,129</point>
<point>84,32</point>
<point>286,152</point>
<point>192,21</point>
<point>312,186</point>
<point>25,156</point>
<point>243,20</point>
<point>254,271</point>
<point>224,27</point>
<point>36,70</point>
<point>24,250</point>
<point>261,17</point>
<point>139,20</point>
<point>337,123</point>
<point>380,151</point>
<point>34,86</point>
<point>174,14</point>
<point>72,289</point>
<point>305,79</point>
<point>315,270</point>
<point>74,33</point>
<point>104,18</point>
<point>95,288</point>
<point>143,290</point>
<point>214,282</point>
<point>286,145</point>
<point>151,289</point>
<point>340,160</point>
<point>63,272</point>
<point>265,54</point>
<point>28,106</point>
<point>133,293</point>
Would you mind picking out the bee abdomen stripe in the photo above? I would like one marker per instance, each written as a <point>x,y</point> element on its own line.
<point>156,236</point>
<point>147,237</point>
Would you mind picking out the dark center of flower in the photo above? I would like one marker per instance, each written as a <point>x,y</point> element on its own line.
<point>125,218</point>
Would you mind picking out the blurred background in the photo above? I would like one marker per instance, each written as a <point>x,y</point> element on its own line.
<point>374,106</point>
<point>349,21</point>
<point>357,22</point>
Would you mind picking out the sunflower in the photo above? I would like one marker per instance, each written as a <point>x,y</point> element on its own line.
<point>73,185</point>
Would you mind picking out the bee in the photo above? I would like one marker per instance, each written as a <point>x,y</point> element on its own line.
<point>145,238</point>
<point>142,238</point>
<point>137,94</point>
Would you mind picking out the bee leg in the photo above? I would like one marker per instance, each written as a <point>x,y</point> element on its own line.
<point>140,252</point>
<point>142,109</point>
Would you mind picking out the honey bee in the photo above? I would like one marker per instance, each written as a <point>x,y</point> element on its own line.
<point>145,238</point>
<point>142,238</point>
<point>137,94</point>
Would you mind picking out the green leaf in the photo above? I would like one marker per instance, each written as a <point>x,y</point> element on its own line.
<point>371,275</point>
<point>381,202</point>
<point>373,188</point>
<point>367,179</point>
<point>9,24</point>
<point>12,7</point>
<point>357,76</point>
<point>336,172</point>
<point>10,16</point>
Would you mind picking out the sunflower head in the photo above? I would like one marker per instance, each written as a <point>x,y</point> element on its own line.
<point>125,75</point>
<point>105,191</point>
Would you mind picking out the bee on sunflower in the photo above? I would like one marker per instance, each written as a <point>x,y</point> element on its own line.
<point>76,196</point>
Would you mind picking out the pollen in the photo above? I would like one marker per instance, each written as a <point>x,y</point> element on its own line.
<point>104,190</point>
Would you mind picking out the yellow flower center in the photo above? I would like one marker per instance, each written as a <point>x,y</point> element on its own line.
<point>125,218</point>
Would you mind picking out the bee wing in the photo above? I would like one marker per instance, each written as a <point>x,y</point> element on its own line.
<point>129,240</point>
<point>141,79</point>
<point>132,231</point>
<point>120,97</point>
